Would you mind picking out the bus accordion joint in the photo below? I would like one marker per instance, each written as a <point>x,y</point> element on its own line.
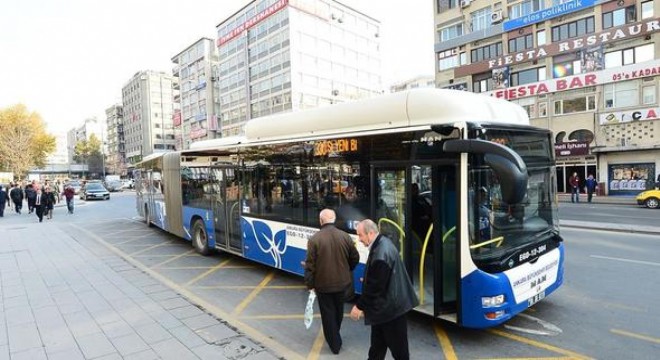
<point>497,240</point>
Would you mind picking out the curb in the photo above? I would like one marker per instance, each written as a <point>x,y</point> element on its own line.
<point>625,228</point>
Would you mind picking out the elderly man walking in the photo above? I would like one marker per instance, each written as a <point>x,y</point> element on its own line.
<point>331,258</point>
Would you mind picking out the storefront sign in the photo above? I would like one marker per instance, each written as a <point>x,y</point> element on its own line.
<point>630,178</point>
<point>572,148</point>
<point>197,133</point>
<point>573,45</point>
<point>253,21</point>
<point>546,14</point>
<point>629,72</point>
<point>618,117</point>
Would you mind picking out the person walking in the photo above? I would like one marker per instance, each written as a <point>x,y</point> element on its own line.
<point>49,202</point>
<point>387,295</point>
<point>331,258</point>
<point>574,182</point>
<point>16,195</point>
<point>39,206</point>
<point>69,194</point>
<point>590,185</point>
<point>3,201</point>
<point>30,195</point>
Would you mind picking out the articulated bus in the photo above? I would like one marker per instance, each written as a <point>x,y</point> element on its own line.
<point>460,182</point>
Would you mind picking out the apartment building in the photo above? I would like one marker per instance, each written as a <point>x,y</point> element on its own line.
<point>115,145</point>
<point>194,112</point>
<point>284,55</point>
<point>588,70</point>
<point>147,100</point>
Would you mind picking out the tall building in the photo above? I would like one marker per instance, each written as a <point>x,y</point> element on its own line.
<point>194,113</point>
<point>586,70</point>
<point>115,149</point>
<point>147,99</point>
<point>283,55</point>
<point>89,127</point>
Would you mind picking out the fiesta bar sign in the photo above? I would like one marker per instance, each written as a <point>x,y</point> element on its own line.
<point>629,72</point>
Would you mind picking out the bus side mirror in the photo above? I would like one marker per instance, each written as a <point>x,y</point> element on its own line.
<point>508,165</point>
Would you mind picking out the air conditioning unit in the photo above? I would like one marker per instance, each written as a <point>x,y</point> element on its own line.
<point>496,17</point>
<point>465,3</point>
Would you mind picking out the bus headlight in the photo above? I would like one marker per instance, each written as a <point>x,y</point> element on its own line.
<point>492,301</point>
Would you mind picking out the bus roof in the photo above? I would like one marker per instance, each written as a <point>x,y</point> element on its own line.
<point>416,107</point>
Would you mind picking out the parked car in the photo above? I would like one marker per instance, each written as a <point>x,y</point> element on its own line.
<point>113,185</point>
<point>94,190</point>
<point>649,198</point>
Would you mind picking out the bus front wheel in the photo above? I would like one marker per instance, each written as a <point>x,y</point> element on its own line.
<point>200,238</point>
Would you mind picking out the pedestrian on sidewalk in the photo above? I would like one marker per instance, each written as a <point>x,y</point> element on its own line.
<point>39,206</point>
<point>16,195</point>
<point>591,185</point>
<point>574,182</point>
<point>69,194</point>
<point>3,201</point>
<point>30,195</point>
<point>49,202</point>
<point>331,258</point>
<point>387,295</point>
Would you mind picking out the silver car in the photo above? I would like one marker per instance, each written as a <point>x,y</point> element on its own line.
<point>94,190</point>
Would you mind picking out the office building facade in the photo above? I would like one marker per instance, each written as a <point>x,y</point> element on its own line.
<point>147,101</point>
<point>586,70</point>
<point>194,111</point>
<point>115,145</point>
<point>279,55</point>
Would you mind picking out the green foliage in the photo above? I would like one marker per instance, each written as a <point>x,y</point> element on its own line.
<point>24,142</point>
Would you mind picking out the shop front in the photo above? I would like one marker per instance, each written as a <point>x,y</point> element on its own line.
<point>573,157</point>
<point>630,172</point>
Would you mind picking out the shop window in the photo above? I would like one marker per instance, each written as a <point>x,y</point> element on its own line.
<point>560,137</point>
<point>581,135</point>
<point>629,56</point>
<point>521,43</point>
<point>619,17</point>
<point>573,29</point>
<point>647,9</point>
<point>621,94</point>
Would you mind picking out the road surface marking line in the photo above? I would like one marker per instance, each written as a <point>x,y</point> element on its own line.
<point>537,344</point>
<point>243,287</point>
<point>636,336</point>
<point>132,239</point>
<point>239,309</point>
<point>542,358</point>
<point>248,330</point>
<point>626,260</point>
<point>445,343</point>
<point>173,259</point>
<point>206,273</point>
<point>151,248</point>
<point>123,231</point>
<point>315,352</point>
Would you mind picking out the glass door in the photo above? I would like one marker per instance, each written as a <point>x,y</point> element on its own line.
<point>226,208</point>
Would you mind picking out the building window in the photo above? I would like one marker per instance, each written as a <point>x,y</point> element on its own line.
<point>581,135</point>
<point>540,38</point>
<point>528,76</point>
<point>482,82</point>
<point>447,61</point>
<point>528,105</point>
<point>481,19</point>
<point>525,8</point>
<point>543,109</point>
<point>648,94</point>
<point>566,65</point>
<point>451,32</point>
<point>486,52</point>
<point>647,9</point>
<point>619,17</point>
<point>575,105</point>
<point>573,29</point>
<point>521,43</point>
<point>621,94</point>
<point>560,137</point>
<point>629,56</point>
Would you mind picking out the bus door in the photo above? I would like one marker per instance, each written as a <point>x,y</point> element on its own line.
<point>226,208</point>
<point>407,211</point>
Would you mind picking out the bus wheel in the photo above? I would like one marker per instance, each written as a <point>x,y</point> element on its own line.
<point>200,239</point>
<point>146,216</point>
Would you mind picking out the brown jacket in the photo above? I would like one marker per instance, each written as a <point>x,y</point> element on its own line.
<point>331,257</point>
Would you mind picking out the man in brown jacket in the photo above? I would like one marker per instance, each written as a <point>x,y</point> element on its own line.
<point>331,258</point>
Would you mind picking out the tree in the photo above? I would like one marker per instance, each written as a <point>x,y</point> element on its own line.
<point>24,142</point>
<point>88,152</point>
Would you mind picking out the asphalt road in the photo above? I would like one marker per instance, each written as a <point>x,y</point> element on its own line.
<point>605,310</point>
<point>607,213</point>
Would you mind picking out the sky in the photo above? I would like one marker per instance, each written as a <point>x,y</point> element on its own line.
<point>69,59</point>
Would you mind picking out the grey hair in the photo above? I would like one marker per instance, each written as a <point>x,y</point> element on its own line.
<point>369,226</point>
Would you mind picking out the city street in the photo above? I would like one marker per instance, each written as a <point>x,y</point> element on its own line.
<point>598,313</point>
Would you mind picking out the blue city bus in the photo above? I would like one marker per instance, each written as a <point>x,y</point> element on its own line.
<point>461,182</point>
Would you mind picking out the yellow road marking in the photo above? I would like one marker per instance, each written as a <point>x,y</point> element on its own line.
<point>127,230</point>
<point>315,352</point>
<point>280,317</point>
<point>445,343</point>
<point>543,358</point>
<point>133,239</point>
<point>206,273</point>
<point>150,248</point>
<point>248,299</point>
<point>537,344</point>
<point>636,336</point>
<point>248,330</point>
<point>247,287</point>
<point>173,259</point>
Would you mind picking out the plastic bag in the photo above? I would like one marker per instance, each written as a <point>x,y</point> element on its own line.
<point>309,309</point>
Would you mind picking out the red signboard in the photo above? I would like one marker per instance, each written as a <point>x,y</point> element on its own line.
<point>176,118</point>
<point>253,21</point>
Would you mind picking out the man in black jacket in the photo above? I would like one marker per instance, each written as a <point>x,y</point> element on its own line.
<point>331,258</point>
<point>3,200</point>
<point>387,295</point>
<point>16,195</point>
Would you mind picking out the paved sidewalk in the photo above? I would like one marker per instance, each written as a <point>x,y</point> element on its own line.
<point>68,298</point>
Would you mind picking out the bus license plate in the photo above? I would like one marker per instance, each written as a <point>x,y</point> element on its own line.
<point>536,298</point>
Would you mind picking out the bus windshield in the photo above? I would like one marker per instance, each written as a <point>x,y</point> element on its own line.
<point>500,231</point>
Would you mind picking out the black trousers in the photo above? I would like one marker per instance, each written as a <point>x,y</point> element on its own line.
<point>18,205</point>
<point>39,209</point>
<point>332,314</point>
<point>2,209</point>
<point>393,335</point>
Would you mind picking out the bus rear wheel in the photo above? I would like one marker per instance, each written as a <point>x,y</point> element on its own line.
<point>200,238</point>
